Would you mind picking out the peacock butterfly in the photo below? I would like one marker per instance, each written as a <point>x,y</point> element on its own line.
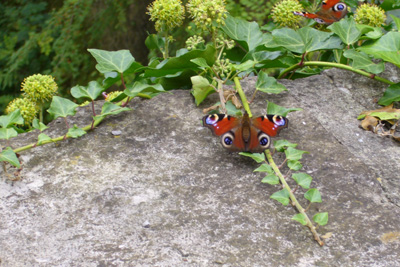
<point>330,12</point>
<point>245,133</point>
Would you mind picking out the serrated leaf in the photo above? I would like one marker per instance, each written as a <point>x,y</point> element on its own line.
<point>294,154</point>
<point>258,157</point>
<point>264,168</point>
<point>300,218</point>
<point>279,110</point>
<point>75,132</point>
<point>8,155</point>
<point>43,137</point>
<point>294,165</point>
<point>201,89</point>
<point>281,196</point>
<point>92,91</point>
<point>321,218</point>
<point>281,145</point>
<point>109,61</point>
<point>11,119</point>
<point>362,61</point>
<point>39,125</point>
<point>391,94</point>
<point>346,30</point>
<point>302,179</point>
<point>110,108</point>
<point>271,179</point>
<point>7,133</point>
<point>268,84</point>
<point>313,195</point>
<point>133,90</point>
<point>62,107</point>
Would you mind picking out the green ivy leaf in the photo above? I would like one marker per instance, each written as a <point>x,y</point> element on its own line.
<point>281,196</point>
<point>271,179</point>
<point>279,110</point>
<point>110,109</point>
<point>362,61</point>
<point>154,42</point>
<point>92,91</point>
<point>321,218</point>
<point>133,90</point>
<point>232,110</point>
<point>39,125</point>
<point>302,179</point>
<point>8,155</point>
<point>11,119</point>
<point>201,89</point>
<point>391,94</point>
<point>201,62</point>
<point>42,138</point>
<point>396,21</point>
<point>313,195</point>
<point>281,145</point>
<point>386,116</point>
<point>294,165</point>
<point>62,107</point>
<point>369,31</point>
<point>264,168</point>
<point>300,218</point>
<point>258,157</point>
<point>346,30</point>
<point>7,133</point>
<point>268,84</point>
<point>75,132</point>
<point>294,154</point>
<point>108,61</point>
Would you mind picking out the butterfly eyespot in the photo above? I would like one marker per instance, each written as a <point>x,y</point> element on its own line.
<point>227,140</point>
<point>279,120</point>
<point>320,21</point>
<point>211,119</point>
<point>339,7</point>
<point>264,140</point>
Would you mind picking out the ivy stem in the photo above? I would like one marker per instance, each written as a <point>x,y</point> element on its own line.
<point>292,197</point>
<point>242,96</point>
<point>335,65</point>
<point>220,91</point>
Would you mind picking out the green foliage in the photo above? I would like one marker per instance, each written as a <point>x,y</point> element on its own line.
<point>8,155</point>
<point>62,107</point>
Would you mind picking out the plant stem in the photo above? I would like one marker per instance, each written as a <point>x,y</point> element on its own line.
<point>335,65</point>
<point>292,197</point>
<point>242,96</point>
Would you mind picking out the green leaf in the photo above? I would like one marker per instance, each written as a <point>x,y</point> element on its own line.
<point>281,196</point>
<point>321,218</point>
<point>362,61</point>
<point>109,61</point>
<point>39,125</point>
<point>201,88</point>
<point>11,119</point>
<point>346,30</point>
<point>92,91</point>
<point>258,157</point>
<point>300,218</point>
<point>294,154</point>
<point>281,145</point>
<point>75,132</point>
<point>110,109</point>
<point>264,168</point>
<point>7,133</point>
<point>271,179</point>
<point>62,107</point>
<point>247,34</point>
<point>313,195</point>
<point>302,179</point>
<point>396,21</point>
<point>391,94</point>
<point>232,110</point>
<point>8,155</point>
<point>268,84</point>
<point>386,116</point>
<point>43,137</point>
<point>133,90</point>
<point>200,62</point>
<point>294,165</point>
<point>369,31</point>
<point>279,110</point>
<point>386,48</point>
<point>154,42</point>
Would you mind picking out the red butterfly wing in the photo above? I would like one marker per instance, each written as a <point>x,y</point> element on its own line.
<point>328,4</point>
<point>220,123</point>
<point>270,124</point>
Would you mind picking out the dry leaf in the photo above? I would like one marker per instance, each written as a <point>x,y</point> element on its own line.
<point>327,235</point>
<point>369,123</point>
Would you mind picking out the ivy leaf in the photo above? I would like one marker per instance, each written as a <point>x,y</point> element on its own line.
<point>302,179</point>
<point>391,94</point>
<point>258,157</point>
<point>133,90</point>
<point>300,218</point>
<point>294,154</point>
<point>264,168</point>
<point>154,42</point>
<point>268,84</point>
<point>369,32</point>
<point>294,165</point>
<point>62,107</point>
<point>92,91</point>
<point>362,61</point>
<point>386,116</point>
<point>108,61</point>
<point>396,21</point>
<point>42,138</point>
<point>75,132</point>
<point>201,89</point>
<point>313,195</point>
<point>271,179</point>
<point>8,155</point>
<point>232,110</point>
<point>110,109</point>
<point>346,30</point>
<point>386,48</point>
<point>281,145</point>
<point>201,62</point>
<point>7,133</point>
<point>11,119</point>
<point>281,196</point>
<point>279,110</point>
<point>321,218</point>
<point>39,125</point>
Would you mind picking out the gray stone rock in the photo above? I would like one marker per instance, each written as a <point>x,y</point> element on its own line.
<point>165,192</point>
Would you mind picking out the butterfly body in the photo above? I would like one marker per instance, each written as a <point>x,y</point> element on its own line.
<point>330,12</point>
<point>245,133</point>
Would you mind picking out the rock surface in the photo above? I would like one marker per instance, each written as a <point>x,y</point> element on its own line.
<point>165,193</point>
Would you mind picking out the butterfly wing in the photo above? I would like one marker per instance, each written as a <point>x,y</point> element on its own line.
<point>330,12</point>
<point>270,124</point>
